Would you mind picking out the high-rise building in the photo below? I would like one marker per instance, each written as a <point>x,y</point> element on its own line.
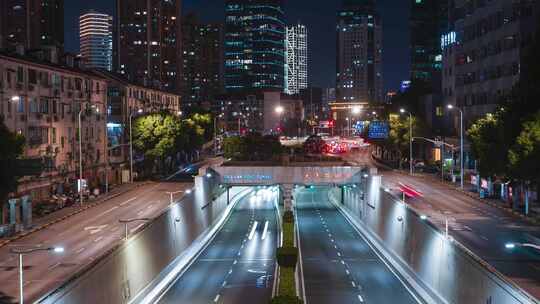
<point>148,42</point>
<point>202,62</point>
<point>483,52</point>
<point>296,50</point>
<point>428,21</point>
<point>359,57</point>
<point>254,45</point>
<point>95,33</point>
<point>34,24</point>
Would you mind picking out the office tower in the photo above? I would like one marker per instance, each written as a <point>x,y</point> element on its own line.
<point>296,50</point>
<point>148,42</point>
<point>34,24</point>
<point>254,45</point>
<point>202,62</point>
<point>428,21</point>
<point>96,40</point>
<point>359,58</point>
<point>483,52</point>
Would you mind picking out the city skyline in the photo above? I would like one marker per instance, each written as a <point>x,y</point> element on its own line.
<point>321,18</point>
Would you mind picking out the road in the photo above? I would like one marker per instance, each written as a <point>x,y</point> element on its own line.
<point>338,265</point>
<point>84,236</point>
<point>480,227</point>
<point>238,265</point>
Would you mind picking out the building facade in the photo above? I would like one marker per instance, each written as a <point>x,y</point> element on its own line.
<point>428,21</point>
<point>148,42</point>
<point>33,24</point>
<point>296,51</point>
<point>125,99</point>
<point>42,102</point>
<point>96,41</point>
<point>267,112</point>
<point>483,52</point>
<point>359,53</point>
<point>202,62</point>
<point>254,45</point>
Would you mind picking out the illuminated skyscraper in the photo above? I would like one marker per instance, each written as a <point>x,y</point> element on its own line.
<point>296,50</point>
<point>359,58</point>
<point>148,42</point>
<point>254,45</point>
<point>96,40</point>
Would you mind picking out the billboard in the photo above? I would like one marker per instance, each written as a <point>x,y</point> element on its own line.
<point>378,130</point>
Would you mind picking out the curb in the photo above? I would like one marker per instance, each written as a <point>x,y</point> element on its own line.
<point>498,206</point>
<point>63,218</point>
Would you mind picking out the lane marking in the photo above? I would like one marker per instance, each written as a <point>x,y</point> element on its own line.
<point>80,250</point>
<point>484,238</point>
<point>360,299</point>
<point>98,239</point>
<point>265,230</point>
<point>95,229</point>
<point>128,201</point>
<point>108,211</point>
<point>224,283</point>
<point>253,230</point>
<point>353,284</point>
<point>216,298</point>
<point>347,271</point>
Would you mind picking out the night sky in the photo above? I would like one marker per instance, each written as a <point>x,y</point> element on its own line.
<point>320,18</point>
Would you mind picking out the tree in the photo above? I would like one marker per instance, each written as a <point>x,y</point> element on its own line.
<point>11,148</point>
<point>252,147</point>
<point>524,157</point>
<point>399,135</point>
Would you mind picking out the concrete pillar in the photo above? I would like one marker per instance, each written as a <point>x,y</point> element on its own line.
<point>26,211</point>
<point>12,211</point>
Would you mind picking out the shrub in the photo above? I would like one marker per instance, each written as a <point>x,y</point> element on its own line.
<point>287,256</point>
<point>288,217</point>
<point>286,300</point>
<point>288,235</point>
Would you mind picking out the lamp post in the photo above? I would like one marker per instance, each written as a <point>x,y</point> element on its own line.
<point>279,110</point>
<point>22,252</point>
<point>461,160</point>
<point>127,221</point>
<point>410,141</point>
<point>139,111</point>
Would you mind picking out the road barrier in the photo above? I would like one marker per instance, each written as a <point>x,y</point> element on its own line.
<point>129,271</point>
<point>439,268</point>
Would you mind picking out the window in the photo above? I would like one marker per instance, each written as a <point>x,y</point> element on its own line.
<point>53,135</point>
<point>20,74</point>
<point>44,106</point>
<point>33,105</point>
<point>20,105</point>
<point>32,76</point>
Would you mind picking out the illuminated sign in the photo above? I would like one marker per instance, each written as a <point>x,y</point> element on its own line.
<point>378,130</point>
<point>448,39</point>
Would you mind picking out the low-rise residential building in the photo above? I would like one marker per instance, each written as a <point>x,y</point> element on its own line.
<point>268,112</point>
<point>127,100</point>
<point>51,104</point>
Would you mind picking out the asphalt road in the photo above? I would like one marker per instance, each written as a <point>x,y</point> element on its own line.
<point>84,236</point>
<point>338,265</point>
<point>482,228</point>
<point>238,265</point>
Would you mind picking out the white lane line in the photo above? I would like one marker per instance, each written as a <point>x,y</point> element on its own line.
<point>353,284</point>
<point>253,230</point>
<point>110,210</point>
<point>265,230</point>
<point>224,283</point>
<point>230,271</point>
<point>80,250</point>
<point>98,239</point>
<point>347,271</point>
<point>484,238</point>
<point>235,261</point>
<point>343,262</point>
<point>216,298</point>
<point>128,201</point>
<point>339,254</point>
<point>360,299</point>
<point>150,206</point>
<point>140,212</point>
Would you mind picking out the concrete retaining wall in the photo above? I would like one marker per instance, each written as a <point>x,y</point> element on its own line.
<point>448,271</point>
<point>125,271</point>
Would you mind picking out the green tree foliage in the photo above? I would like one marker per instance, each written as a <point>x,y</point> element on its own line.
<point>399,134</point>
<point>488,145</point>
<point>252,147</point>
<point>524,156</point>
<point>11,148</point>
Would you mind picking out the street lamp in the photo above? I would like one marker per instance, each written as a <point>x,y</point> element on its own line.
<point>22,252</point>
<point>80,183</point>
<point>127,221</point>
<point>410,141</point>
<point>280,110</point>
<point>356,110</point>
<point>15,98</point>
<point>139,111</point>
<point>451,107</point>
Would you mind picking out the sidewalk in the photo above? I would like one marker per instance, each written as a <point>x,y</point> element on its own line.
<point>67,212</point>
